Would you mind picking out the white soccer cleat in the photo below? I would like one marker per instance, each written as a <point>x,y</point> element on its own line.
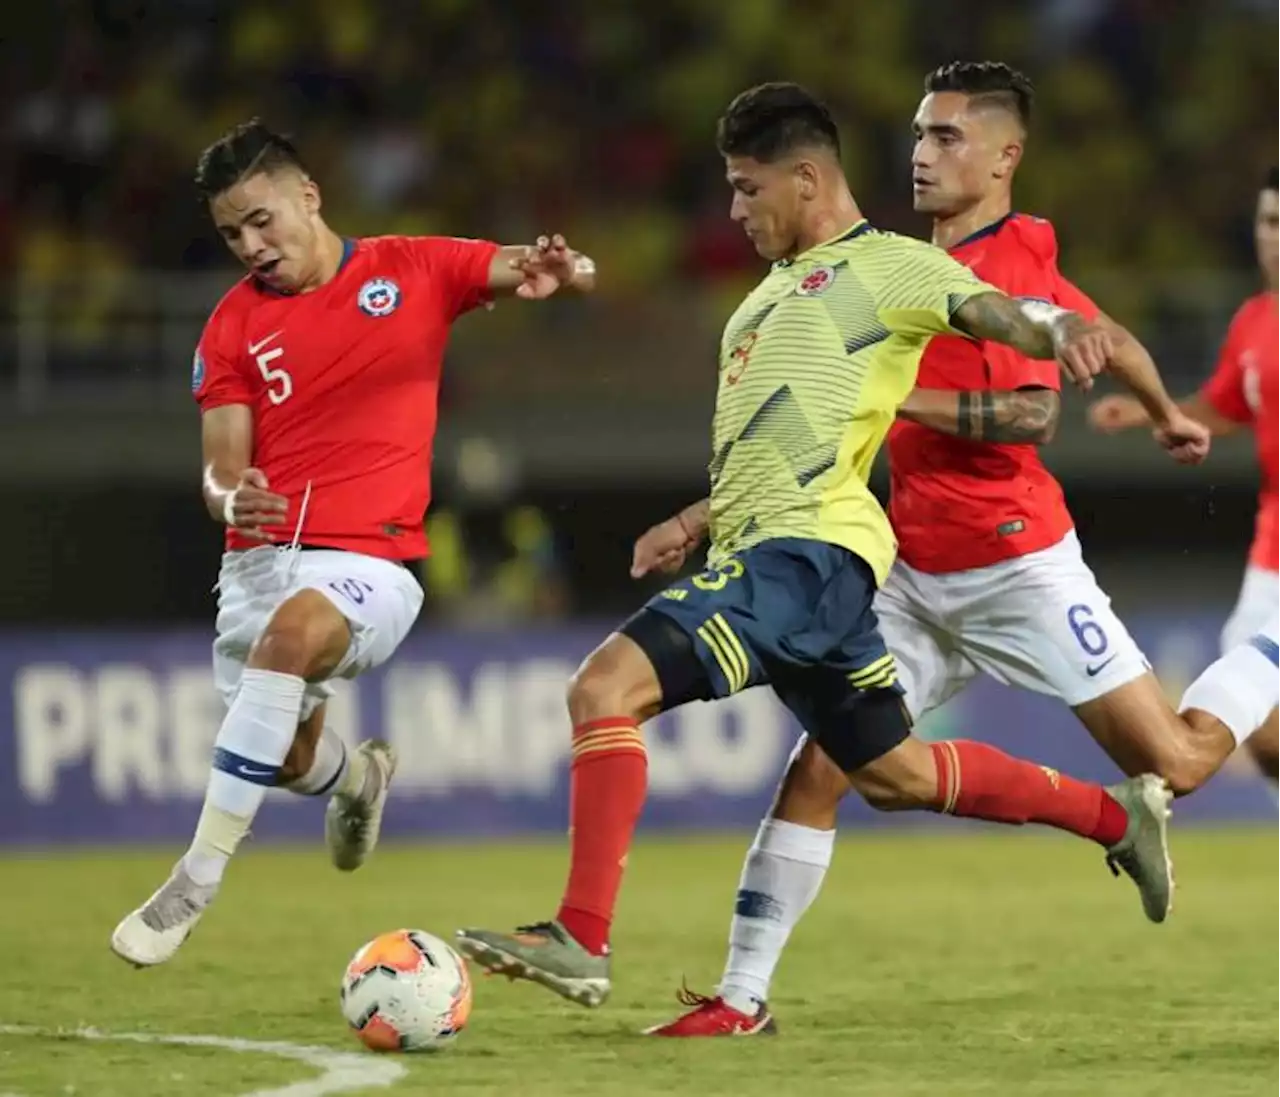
<point>156,930</point>
<point>352,822</point>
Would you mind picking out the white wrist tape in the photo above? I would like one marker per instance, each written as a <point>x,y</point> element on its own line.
<point>1041,312</point>
<point>229,507</point>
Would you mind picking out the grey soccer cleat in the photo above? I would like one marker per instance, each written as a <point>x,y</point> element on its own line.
<point>352,823</point>
<point>1143,852</point>
<point>151,934</point>
<point>544,953</point>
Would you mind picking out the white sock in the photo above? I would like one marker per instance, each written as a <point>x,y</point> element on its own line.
<point>1243,686</point>
<point>251,746</point>
<point>328,767</point>
<point>782,876</point>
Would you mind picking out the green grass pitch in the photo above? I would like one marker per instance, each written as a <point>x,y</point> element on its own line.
<point>959,964</point>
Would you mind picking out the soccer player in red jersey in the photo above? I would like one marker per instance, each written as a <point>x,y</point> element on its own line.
<point>1242,393</point>
<point>317,378</point>
<point>990,576</point>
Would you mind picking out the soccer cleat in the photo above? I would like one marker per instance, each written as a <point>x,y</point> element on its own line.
<point>156,930</point>
<point>544,953</point>
<point>1143,852</point>
<point>715,1017</point>
<point>352,823</point>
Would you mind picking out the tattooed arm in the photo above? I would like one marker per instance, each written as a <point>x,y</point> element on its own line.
<point>1084,350</point>
<point>1026,416</point>
<point>1038,330</point>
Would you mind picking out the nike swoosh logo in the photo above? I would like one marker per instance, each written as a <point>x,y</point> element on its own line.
<point>1097,668</point>
<point>249,771</point>
<point>255,347</point>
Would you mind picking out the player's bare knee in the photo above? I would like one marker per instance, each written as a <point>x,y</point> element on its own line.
<point>306,636</point>
<point>614,680</point>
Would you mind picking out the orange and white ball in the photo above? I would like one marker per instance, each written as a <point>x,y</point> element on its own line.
<point>406,991</point>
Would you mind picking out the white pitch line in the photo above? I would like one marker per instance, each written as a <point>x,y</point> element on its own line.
<point>341,1071</point>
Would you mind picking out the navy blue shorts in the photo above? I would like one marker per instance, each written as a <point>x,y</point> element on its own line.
<point>792,613</point>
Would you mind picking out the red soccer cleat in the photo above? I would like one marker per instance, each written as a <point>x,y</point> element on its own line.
<point>715,1017</point>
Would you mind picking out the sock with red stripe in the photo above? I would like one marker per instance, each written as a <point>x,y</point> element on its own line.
<point>607,779</point>
<point>980,782</point>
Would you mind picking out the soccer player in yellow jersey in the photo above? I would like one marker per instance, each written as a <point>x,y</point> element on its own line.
<point>813,366</point>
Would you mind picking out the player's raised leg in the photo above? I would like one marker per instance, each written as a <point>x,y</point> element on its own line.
<point>614,691</point>
<point>1231,703</point>
<point>306,638</point>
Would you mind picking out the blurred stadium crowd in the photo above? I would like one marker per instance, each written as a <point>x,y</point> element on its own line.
<point>489,118</point>
<point>1155,122</point>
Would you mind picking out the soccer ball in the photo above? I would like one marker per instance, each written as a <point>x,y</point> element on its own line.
<point>406,991</point>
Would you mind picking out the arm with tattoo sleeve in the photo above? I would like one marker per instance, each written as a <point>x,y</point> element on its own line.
<point>1025,416</point>
<point>1038,330</point>
<point>1027,326</point>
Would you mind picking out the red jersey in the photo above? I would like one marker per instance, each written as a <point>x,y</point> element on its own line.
<point>343,382</point>
<point>1243,388</point>
<point>957,504</point>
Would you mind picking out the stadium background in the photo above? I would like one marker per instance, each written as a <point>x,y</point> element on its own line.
<point>566,429</point>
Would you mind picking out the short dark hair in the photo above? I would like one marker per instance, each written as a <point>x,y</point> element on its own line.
<point>246,149</point>
<point>1272,181</point>
<point>989,81</point>
<point>771,120</point>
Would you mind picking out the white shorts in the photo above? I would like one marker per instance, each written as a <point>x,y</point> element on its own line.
<point>1256,606</point>
<point>380,600</point>
<point>1038,622</point>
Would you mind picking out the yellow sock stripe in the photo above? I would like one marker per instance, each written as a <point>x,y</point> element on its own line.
<point>728,664</point>
<point>734,646</point>
<point>630,744</point>
<point>953,785</point>
<point>636,747</point>
<point>620,739</point>
<point>621,731</point>
<point>871,670</point>
<point>606,729</point>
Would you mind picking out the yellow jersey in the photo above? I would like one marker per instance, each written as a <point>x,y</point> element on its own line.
<point>813,366</point>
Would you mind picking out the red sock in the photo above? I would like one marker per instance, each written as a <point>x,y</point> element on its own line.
<point>980,782</point>
<point>606,792</point>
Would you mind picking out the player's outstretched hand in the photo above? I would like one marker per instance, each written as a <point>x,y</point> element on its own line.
<point>548,266</point>
<point>1112,414</point>
<point>1082,349</point>
<point>1185,439</point>
<point>662,548</point>
<point>251,508</point>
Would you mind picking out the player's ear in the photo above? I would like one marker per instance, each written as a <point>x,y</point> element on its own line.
<point>311,196</point>
<point>1010,158</point>
<point>806,174</point>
